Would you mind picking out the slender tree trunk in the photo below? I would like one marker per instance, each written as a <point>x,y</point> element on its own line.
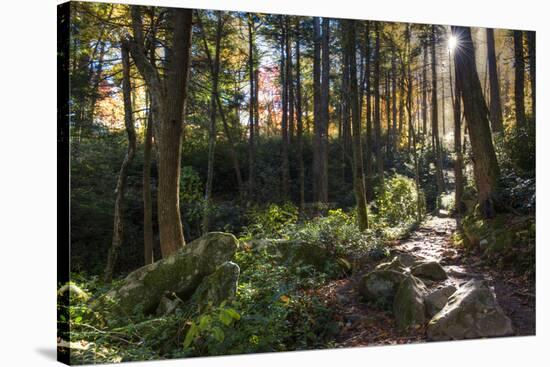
<point>317,120</point>
<point>251,112</point>
<point>425,90</point>
<point>531,46</point>
<point>289,80</point>
<point>459,180</point>
<point>486,170</point>
<point>358,175</point>
<point>394,101</point>
<point>212,132</point>
<point>299,122</point>
<point>495,106</point>
<point>147,198</point>
<point>118,222</point>
<point>519,83</point>
<point>368,148</point>
<point>377,122</point>
<point>435,121</point>
<point>325,87</point>
<point>285,166</point>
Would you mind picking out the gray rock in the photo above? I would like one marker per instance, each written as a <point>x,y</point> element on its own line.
<point>181,273</point>
<point>408,260</point>
<point>218,286</point>
<point>394,264</point>
<point>380,286</point>
<point>436,300</point>
<point>408,305</point>
<point>168,304</point>
<point>429,270</point>
<point>471,312</point>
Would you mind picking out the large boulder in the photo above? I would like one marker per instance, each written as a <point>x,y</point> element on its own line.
<point>408,305</point>
<point>431,270</point>
<point>471,312</point>
<point>218,286</point>
<point>181,273</point>
<point>380,286</point>
<point>436,300</point>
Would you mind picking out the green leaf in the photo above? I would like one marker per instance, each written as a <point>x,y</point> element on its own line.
<point>190,336</point>
<point>218,334</point>
<point>204,322</point>
<point>233,314</point>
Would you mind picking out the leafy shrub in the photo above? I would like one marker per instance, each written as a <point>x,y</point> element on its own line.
<point>397,204</point>
<point>270,221</point>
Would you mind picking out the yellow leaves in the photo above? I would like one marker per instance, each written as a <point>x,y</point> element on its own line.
<point>285,299</point>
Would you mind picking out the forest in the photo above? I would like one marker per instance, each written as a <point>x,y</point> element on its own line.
<point>245,182</point>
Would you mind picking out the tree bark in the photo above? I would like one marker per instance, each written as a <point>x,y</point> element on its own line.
<point>299,122</point>
<point>435,121</point>
<point>486,170</point>
<point>495,105</point>
<point>531,46</point>
<point>285,165</point>
<point>251,112</point>
<point>118,221</point>
<point>519,82</point>
<point>377,122</point>
<point>212,132</point>
<point>325,87</point>
<point>317,120</point>
<point>368,148</point>
<point>170,94</point>
<point>358,175</point>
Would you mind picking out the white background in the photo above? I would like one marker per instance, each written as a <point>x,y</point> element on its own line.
<point>28,181</point>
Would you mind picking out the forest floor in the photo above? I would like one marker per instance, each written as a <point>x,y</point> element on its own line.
<point>364,324</point>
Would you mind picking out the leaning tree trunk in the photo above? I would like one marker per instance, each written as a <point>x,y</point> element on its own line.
<point>519,82</point>
<point>486,170</point>
<point>495,106</point>
<point>118,227</point>
<point>358,174</point>
<point>459,179</point>
<point>169,92</point>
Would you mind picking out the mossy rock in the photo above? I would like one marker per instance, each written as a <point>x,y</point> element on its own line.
<point>181,273</point>
<point>294,253</point>
<point>436,300</point>
<point>394,264</point>
<point>408,305</point>
<point>380,286</point>
<point>219,286</point>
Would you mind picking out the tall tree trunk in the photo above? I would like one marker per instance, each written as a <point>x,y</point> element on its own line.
<point>169,93</point>
<point>377,122</point>
<point>285,166</point>
<point>226,127</point>
<point>425,90</point>
<point>251,112</point>
<point>118,222</point>
<point>435,121</point>
<point>325,87</point>
<point>394,101</point>
<point>519,82</point>
<point>147,198</point>
<point>317,120</point>
<point>299,122</point>
<point>289,80</point>
<point>368,148</point>
<point>459,180</point>
<point>352,95</point>
<point>212,132</point>
<point>486,170</point>
<point>495,106</point>
<point>531,46</point>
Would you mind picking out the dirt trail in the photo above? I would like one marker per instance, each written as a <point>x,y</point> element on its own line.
<point>363,324</point>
